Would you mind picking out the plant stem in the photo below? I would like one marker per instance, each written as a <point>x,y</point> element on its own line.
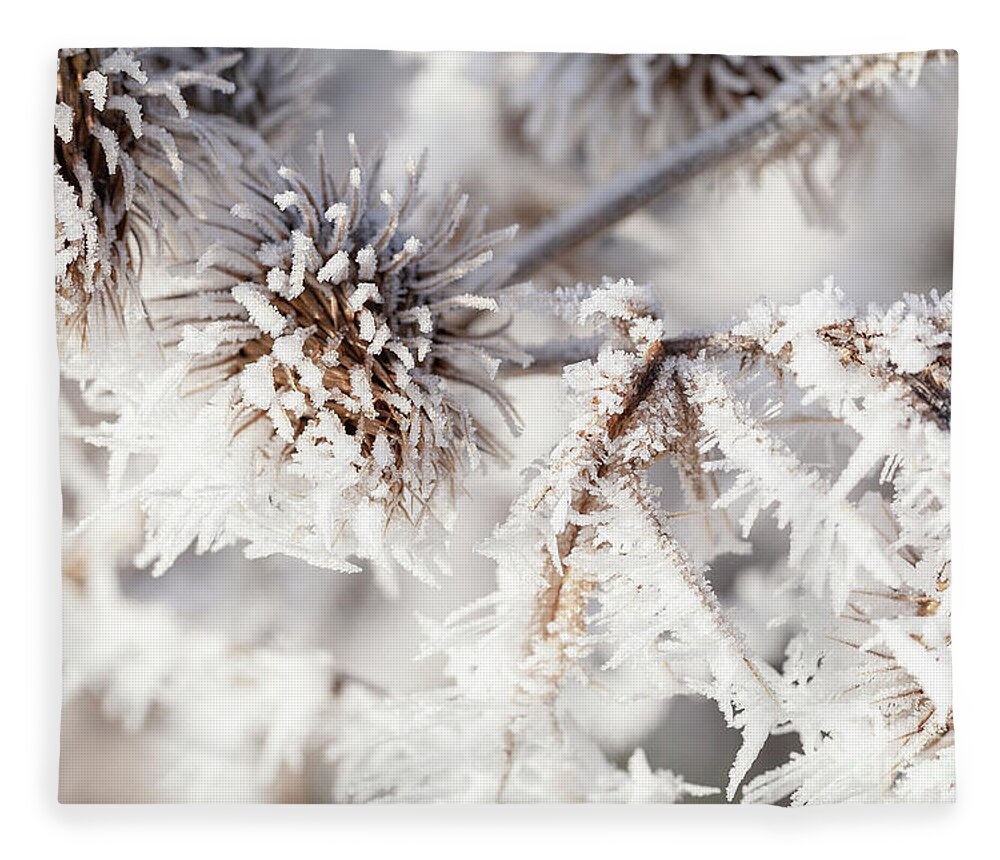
<point>633,189</point>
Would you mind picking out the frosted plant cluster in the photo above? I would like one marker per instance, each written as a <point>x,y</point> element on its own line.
<point>594,590</point>
<point>317,348</point>
<point>121,119</point>
<point>306,372</point>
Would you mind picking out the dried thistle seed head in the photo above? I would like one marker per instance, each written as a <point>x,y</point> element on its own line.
<point>337,316</point>
<point>272,86</point>
<point>123,134</point>
<point>605,109</point>
<point>606,112</point>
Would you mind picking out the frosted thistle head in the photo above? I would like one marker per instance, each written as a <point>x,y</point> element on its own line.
<point>335,319</point>
<point>603,113</point>
<point>273,87</point>
<point>603,110</point>
<point>123,132</point>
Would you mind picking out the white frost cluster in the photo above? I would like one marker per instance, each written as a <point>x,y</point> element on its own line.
<point>595,593</point>
<point>231,713</point>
